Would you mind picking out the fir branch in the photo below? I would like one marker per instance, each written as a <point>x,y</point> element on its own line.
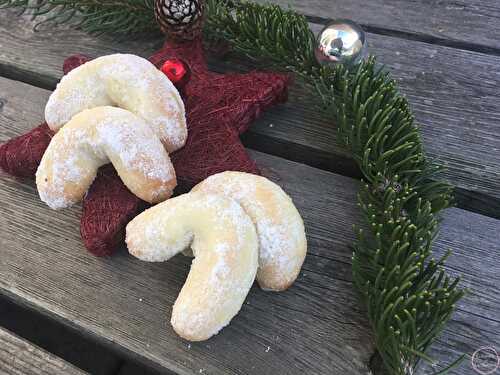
<point>266,32</point>
<point>92,16</point>
<point>409,296</point>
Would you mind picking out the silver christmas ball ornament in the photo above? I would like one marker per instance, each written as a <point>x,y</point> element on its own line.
<point>341,42</point>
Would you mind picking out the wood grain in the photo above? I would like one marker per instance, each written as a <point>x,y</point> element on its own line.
<point>316,327</point>
<point>19,357</point>
<point>465,23</point>
<point>454,94</point>
<point>57,339</point>
<point>131,368</point>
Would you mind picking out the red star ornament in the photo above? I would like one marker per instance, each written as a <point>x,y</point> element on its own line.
<point>219,108</point>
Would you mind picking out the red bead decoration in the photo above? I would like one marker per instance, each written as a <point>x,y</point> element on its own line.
<point>177,71</point>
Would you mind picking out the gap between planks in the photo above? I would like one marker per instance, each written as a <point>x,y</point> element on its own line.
<point>20,357</point>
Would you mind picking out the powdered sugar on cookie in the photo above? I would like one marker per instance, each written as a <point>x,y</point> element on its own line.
<point>126,81</point>
<point>282,241</point>
<point>225,245</point>
<point>96,137</point>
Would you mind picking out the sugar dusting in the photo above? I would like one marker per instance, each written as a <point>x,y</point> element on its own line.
<point>229,280</point>
<point>135,145</point>
<point>80,89</point>
<point>94,138</point>
<point>279,226</point>
<point>148,93</point>
<point>221,269</point>
<point>225,248</point>
<point>63,165</point>
<point>127,81</point>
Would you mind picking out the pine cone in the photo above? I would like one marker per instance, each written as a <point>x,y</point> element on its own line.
<point>180,19</point>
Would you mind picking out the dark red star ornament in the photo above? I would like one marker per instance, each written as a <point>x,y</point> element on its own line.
<point>219,108</point>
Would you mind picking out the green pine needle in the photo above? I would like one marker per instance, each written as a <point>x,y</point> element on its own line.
<point>92,16</point>
<point>408,295</point>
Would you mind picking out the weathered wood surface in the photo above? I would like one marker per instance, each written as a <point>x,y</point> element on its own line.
<point>57,339</point>
<point>471,24</point>
<point>316,327</point>
<point>19,357</point>
<point>137,369</point>
<point>454,94</point>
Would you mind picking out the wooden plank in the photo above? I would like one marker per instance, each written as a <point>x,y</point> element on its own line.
<point>136,369</point>
<point>19,357</point>
<point>58,339</point>
<point>316,327</point>
<point>469,24</point>
<point>452,91</point>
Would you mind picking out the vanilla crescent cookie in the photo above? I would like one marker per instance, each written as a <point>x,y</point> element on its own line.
<point>126,81</point>
<point>282,239</point>
<point>96,137</point>
<point>225,245</point>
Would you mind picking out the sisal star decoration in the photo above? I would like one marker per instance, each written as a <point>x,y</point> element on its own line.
<point>219,108</point>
